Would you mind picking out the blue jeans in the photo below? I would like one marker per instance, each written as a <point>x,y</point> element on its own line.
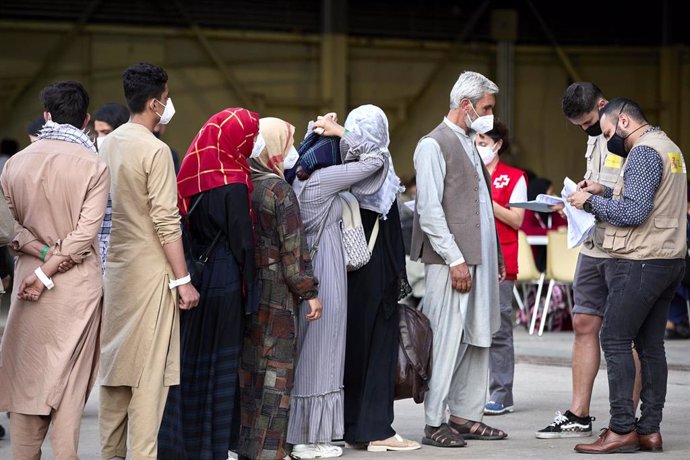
<point>640,292</point>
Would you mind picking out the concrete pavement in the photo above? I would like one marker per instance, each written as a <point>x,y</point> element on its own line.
<point>542,386</point>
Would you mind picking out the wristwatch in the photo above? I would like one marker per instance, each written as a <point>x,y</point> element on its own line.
<point>587,206</point>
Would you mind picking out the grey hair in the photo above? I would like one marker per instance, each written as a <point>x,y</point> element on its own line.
<point>472,86</point>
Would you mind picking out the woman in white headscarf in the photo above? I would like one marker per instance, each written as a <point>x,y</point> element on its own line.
<point>372,312</point>
<point>316,402</point>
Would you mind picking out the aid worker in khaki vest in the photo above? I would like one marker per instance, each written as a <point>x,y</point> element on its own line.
<point>646,239</point>
<point>581,103</point>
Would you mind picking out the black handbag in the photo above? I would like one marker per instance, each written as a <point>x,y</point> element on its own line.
<point>195,265</point>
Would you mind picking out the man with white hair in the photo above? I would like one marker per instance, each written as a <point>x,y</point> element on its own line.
<point>454,235</point>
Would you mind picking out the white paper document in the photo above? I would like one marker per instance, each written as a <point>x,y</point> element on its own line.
<point>580,223</point>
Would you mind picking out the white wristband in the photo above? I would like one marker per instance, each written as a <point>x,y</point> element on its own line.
<point>47,282</point>
<point>179,282</point>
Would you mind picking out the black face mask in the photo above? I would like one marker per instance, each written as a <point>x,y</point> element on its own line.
<point>594,130</point>
<point>616,145</point>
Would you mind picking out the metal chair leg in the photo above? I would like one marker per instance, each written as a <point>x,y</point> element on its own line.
<point>546,307</point>
<point>536,304</point>
<point>518,299</point>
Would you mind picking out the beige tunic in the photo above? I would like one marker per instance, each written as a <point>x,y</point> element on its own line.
<point>139,308</point>
<point>57,192</point>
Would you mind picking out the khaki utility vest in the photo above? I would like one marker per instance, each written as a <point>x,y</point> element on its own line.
<point>663,234</point>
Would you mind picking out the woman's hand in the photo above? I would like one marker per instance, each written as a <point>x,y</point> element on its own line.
<point>328,125</point>
<point>315,309</point>
<point>331,116</point>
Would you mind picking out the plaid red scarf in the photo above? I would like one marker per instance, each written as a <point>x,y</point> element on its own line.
<point>218,155</point>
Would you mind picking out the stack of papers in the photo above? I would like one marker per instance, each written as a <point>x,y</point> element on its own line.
<point>580,223</point>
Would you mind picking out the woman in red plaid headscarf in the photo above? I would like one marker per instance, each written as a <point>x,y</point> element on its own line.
<point>214,187</point>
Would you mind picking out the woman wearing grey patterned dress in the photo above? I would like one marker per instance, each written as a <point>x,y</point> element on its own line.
<point>316,403</point>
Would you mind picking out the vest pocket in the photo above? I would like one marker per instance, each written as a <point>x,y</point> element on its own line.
<point>665,222</point>
<point>616,239</point>
<point>666,231</point>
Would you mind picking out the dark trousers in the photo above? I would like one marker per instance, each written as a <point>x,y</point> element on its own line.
<point>640,292</point>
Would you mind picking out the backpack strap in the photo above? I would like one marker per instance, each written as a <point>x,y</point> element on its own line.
<point>351,215</point>
<point>374,235</point>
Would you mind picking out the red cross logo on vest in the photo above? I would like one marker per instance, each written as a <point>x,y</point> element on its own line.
<point>502,181</point>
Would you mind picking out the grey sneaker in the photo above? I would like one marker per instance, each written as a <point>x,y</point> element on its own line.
<point>567,425</point>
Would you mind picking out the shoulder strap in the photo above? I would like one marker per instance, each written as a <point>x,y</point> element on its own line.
<point>351,216</point>
<point>207,253</point>
<point>196,203</point>
<point>315,247</point>
<point>374,235</point>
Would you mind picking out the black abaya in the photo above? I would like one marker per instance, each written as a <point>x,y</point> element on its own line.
<point>373,334</point>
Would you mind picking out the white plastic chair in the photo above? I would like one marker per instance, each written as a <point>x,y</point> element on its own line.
<point>561,263</point>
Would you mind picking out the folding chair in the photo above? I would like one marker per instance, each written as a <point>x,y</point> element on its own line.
<point>560,268</point>
<point>527,273</point>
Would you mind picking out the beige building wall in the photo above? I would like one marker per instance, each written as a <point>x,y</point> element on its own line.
<point>280,75</point>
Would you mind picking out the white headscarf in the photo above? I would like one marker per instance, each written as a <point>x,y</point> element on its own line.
<point>370,122</point>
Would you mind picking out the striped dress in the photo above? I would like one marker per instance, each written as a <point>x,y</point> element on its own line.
<point>316,403</point>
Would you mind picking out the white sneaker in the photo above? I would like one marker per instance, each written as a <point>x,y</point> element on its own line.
<point>329,450</point>
<point>321,450</point>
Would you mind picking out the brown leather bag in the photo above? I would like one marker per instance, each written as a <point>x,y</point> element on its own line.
<point>414,354</point>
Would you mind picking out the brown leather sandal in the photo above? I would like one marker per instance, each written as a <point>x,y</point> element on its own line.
<point>442,436</point>
<point>478,430</point>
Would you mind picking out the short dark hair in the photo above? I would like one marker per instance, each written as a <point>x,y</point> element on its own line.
<point>9,146</point>
<point>35,126</point>
<point>581,97</point>
<point>113,114</point>
<point>67,102</point>
<point>500,133</point>
<point>142,82</point>
<point>623,105</point>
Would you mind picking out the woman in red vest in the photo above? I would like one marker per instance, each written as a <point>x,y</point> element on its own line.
<point>508,185</point>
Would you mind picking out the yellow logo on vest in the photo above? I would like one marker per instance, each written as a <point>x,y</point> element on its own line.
<point>613,161</point>
<point>677,162</point>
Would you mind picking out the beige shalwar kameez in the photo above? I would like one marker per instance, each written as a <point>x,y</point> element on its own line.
<point>140,340</point>
<point>57,192</point>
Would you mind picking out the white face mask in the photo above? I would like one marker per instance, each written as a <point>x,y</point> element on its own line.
<point>168,112</point>
<point>487,153</point>
<point>483,124</point>
<point>291,158</point>
<point>259,145</point>
<point>99,142</point>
